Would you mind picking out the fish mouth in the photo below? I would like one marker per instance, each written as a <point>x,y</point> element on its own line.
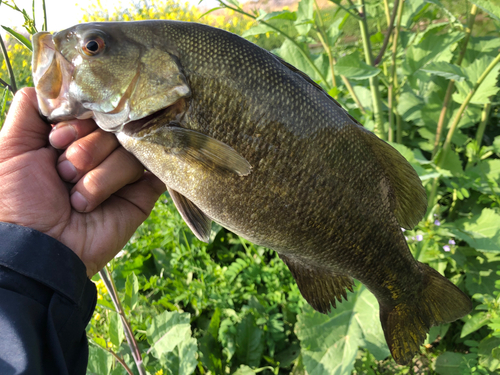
<point>52,75</point>
<point>173,114</point>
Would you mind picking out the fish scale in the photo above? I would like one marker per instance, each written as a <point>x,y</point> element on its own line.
<point>242,138</point>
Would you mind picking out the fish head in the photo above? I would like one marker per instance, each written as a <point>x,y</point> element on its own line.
<point>112,72</point>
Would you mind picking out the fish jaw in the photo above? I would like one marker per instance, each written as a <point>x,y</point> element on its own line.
<point>52,76</point>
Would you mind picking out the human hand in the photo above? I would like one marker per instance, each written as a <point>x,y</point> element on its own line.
<point>111,195</point>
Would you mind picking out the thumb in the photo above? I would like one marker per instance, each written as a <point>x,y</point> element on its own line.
<point>23,130</point>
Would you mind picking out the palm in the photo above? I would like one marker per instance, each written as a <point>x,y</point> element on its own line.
<point>33,194</point>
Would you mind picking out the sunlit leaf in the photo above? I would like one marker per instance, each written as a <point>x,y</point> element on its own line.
<point>353,66</point>
<point>446,70</point>
<point>21,38</point>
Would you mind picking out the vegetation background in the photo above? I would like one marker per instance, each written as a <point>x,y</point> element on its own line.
<point>421,74</point>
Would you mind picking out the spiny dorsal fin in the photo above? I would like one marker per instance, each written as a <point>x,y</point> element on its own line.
<point>409,196</point>
<point>319,287</point>
<point>196,220</point>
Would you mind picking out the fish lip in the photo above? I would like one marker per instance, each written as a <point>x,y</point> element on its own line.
<point>53,95</point>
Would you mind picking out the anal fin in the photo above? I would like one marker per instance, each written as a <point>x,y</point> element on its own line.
<point>195,218</point>
<point>318,286</point>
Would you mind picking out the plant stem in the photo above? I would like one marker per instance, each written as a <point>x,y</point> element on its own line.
<point>387,12</point>
<point>482,126</point>
<point>323,39</point>
<point>451,84</point>
<point>376,97</point>
<point>390,27</point>
<point>394,79</point>
<point>110,286</point>
<point>447,143</point>
<point>44,28</point>
<point>12,86</point>
<point>286,36</point>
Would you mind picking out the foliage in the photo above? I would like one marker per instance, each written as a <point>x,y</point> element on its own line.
<point>233,307</point>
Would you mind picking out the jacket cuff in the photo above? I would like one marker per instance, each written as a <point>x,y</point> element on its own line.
<point>46,260</point>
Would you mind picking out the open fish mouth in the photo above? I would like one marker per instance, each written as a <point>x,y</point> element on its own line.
<point>52,75</point>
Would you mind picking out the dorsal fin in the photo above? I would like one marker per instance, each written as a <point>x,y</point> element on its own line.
<point>409,196</point>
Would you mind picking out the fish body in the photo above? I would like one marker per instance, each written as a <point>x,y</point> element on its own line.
<point>244,139</point>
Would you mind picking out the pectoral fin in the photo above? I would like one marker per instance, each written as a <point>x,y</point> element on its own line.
<point>200,149</point>
<point>319,287</point>
<point>196,220</point>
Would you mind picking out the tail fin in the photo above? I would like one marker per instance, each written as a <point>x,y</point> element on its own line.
<point>406,324</point>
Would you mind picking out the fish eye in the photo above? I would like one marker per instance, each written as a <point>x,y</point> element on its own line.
<point>93,46</point>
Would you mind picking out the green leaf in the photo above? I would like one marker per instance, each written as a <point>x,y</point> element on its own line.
<point>244,370</point>
<point>488,349</point>
<point>21,38</point>
<point>487,89</point>
<point>334,31</point>
<point>257,30</point>
<point>330,342</point>
<point>249,342</point>
<point>352,66</point>
<point>131,290</point>
<point>116,334</point>
<point>446,70</point>
<point>291,54</point>
<point>477,321</point>
<point>431,48</point>
<point>167,331</point>
<point>489,7</point>
<point>449,363</point>
<point>100,361</point>
<point>305,14</point>
<point>182,360</point>
<point>481,231</point>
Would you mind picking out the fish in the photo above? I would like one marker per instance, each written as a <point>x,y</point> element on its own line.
<point>244,139</point>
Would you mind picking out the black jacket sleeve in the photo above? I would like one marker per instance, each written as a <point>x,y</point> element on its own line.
<point>46,301</point>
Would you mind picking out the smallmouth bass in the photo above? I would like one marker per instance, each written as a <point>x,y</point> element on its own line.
<point>244,139</point>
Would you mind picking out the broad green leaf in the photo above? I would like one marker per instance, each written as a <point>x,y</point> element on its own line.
<point>291,54</point>
<point>334,31</point>
<point>481,231</point>
<point>446,70</point>
<point>489,7</point>
<point>352,66</point>
<point>481,278</point>
<point>452,163</point>
<point>488,172</point>
<point>131,290</point>
<point>410,11</point>
<point>209,345</point>
<point>258,29</point>
<point>249,342</point>
<point>410,105</point>
<point>167,330</point>
<point>305,14</point>
<point>330,342</point>
<point>487,89</point>
<point>449,363</point>
<point>244,370</point>
<point>281,15</point>
<point>182,360</point>
<point>496,144</point>
<point>116,334</point>
<point>488,353</point>
<point>431,48</point>
<point>21,38</point>
<point>100,361</point>
<point>477,321</point>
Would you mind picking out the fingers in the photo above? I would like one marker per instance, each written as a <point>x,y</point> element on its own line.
<point>85,154</point>
<point>64,133</point>
<point>117,170</point>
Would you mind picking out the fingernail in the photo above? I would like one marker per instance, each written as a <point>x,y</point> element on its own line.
<point>78,202</point>
<point>67,170</point>
<point>62,135</point>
